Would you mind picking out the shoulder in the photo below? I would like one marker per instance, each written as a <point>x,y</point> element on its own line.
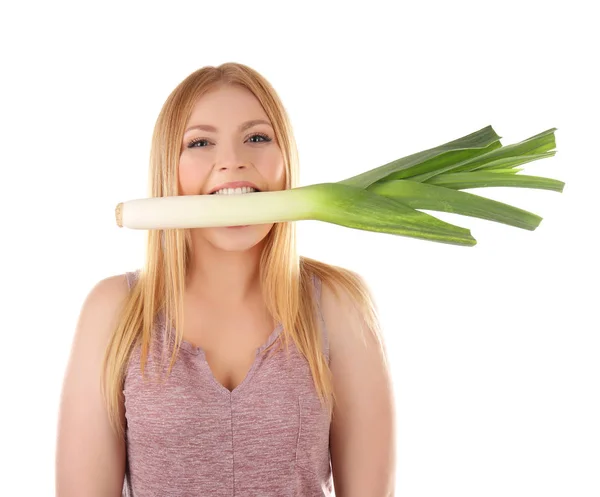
<point>110,289</point>
<point>349,312</point>
<point>104,299</point>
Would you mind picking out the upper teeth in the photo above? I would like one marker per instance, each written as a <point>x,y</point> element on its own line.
<point>233,191</point>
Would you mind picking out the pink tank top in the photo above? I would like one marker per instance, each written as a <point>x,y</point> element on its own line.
<point>191,436</point>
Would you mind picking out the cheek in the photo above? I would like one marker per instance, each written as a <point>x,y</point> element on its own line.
<point>191,177</point>
<point>280,175</point>
<point>275,172</point>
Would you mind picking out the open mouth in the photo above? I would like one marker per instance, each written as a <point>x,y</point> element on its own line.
<point>236,191</point>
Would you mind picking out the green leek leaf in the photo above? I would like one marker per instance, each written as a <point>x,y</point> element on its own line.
<point>515,153</point>
<point>461,181</point>
<point>358,208</point>
<point>446,155</point>
<point>436,198</point>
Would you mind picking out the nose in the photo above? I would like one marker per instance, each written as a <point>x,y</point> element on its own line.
<point>229,157</point>
<point>224,166</point>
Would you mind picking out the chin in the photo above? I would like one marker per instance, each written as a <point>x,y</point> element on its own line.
<point>236,239</point>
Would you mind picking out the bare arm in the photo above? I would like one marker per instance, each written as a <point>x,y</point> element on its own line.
<point>362,435</point>
<point>90,459</point>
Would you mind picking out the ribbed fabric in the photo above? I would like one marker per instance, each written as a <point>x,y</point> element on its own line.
<point>190,436</point>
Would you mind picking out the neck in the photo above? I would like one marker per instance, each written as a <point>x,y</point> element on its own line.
<point>224,277</point>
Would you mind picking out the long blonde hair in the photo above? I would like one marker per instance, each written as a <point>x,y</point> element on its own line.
<point>286,277</point>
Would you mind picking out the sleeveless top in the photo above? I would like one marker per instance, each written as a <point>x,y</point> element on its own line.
<point>188,435</point>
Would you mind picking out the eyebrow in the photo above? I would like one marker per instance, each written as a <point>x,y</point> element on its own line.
<point>242,127</point>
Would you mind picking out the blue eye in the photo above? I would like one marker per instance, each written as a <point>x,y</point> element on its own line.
<point>193,143</point>
<point>265,139</point>
<point>261,135</point>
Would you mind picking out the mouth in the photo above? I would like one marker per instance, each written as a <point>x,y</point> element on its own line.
<point>235,191</point>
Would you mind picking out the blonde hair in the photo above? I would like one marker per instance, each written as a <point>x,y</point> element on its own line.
<point>286,277</point>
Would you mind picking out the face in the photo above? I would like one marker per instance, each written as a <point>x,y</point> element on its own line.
<point>221,145</point>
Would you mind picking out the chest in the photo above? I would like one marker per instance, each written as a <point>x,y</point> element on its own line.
<point>229,338</point>
<point>273,429</point>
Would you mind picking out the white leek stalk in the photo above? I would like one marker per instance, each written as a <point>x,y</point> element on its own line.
<point>203,211</point>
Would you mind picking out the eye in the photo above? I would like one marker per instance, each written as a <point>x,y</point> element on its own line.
<point>197,141</point>
<point>266,138</point>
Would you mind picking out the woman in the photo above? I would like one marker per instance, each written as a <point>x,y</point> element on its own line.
<point>227,365</point>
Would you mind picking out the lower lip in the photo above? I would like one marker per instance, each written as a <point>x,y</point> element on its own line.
<point>237,227</point>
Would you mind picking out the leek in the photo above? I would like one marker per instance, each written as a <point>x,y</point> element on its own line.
<point>385,199</point>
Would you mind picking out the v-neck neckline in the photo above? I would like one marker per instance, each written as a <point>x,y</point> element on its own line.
<point>190,348</point>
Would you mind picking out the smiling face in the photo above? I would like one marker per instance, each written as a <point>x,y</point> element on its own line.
<point>229,138</point>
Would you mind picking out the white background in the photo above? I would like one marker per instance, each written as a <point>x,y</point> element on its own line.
<point>494,348</point>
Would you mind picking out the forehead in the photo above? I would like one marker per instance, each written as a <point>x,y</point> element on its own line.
<point>227,103</point>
